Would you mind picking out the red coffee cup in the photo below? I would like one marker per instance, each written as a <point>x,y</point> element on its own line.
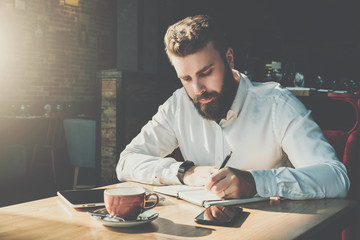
<point>127,202</point>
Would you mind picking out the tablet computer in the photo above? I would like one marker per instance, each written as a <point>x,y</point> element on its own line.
<point>83,198</point>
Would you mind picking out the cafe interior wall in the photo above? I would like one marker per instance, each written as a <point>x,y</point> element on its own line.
<point>50,52</point>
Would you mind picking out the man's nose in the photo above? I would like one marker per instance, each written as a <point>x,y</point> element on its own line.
<point>198,87</point>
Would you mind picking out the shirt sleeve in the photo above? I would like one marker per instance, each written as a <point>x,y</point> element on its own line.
<point>317,172</point>
<point>144,159</point>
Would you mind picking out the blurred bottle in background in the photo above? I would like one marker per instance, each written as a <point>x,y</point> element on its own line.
<point>59,108</point>
<point>22,110</point>
<point>299,80</point>
<point>47,109</point>
<point>276,75</point>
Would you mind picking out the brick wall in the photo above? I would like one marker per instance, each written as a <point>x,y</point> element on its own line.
<point>128,101</point>
<point>51,50</point>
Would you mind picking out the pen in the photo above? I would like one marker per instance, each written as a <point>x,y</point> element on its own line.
<point>225,160</point>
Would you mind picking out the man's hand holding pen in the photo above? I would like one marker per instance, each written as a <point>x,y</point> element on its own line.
<point>225,182</point>
<point>232,183</point>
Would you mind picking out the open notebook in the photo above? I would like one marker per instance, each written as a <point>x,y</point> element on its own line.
<point>201,197</point>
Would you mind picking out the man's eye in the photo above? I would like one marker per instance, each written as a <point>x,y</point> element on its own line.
<point>207,72</point>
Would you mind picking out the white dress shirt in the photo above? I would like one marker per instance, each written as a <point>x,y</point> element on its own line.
<point>269,131</point>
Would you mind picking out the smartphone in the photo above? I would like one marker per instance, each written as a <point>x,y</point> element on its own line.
<point>219,215</point>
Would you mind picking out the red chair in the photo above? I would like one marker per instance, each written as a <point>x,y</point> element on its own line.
<point>347,146</point>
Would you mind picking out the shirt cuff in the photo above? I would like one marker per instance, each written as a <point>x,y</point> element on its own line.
<point>265,182</point>
<point>168,175</point>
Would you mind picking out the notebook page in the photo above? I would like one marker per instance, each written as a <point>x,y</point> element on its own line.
<point>198,197</point>
<point>174,190</point>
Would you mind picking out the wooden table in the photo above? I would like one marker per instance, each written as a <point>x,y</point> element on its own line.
<point>51,218</point>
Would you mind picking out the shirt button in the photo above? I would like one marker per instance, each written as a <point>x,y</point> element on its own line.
<point>266,191</point>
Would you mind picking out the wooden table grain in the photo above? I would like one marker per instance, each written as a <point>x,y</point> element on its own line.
<point>51,218</point>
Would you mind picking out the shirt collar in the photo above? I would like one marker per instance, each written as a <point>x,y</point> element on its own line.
<point>240,95</point>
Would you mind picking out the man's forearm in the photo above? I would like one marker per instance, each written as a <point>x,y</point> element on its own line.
<point>318,181</point>
<point>147,169</point>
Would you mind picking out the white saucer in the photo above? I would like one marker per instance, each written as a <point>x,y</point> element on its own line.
<point>145,217</point>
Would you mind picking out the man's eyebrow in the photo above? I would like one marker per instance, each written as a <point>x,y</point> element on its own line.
<point>198,72</point>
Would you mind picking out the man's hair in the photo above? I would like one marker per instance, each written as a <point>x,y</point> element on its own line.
<point>194,33</point>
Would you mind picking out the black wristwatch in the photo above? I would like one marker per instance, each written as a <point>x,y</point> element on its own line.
<point>183,168</point>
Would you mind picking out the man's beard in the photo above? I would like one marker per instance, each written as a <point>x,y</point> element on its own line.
<point>220,105</point>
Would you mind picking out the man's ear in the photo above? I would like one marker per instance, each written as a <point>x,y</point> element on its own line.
<point>230,57</point>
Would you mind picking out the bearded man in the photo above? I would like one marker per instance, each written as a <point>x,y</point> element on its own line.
<point>277,148</point>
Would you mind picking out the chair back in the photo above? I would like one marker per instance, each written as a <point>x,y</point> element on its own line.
<point>80,137</point>
<point>351,160</point>
<point>346,145</point>
<point>54,135</point>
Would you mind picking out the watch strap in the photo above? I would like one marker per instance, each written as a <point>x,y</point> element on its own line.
<point>186,165</point>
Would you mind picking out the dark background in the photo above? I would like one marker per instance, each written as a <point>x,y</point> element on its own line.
<point>318,37</point>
